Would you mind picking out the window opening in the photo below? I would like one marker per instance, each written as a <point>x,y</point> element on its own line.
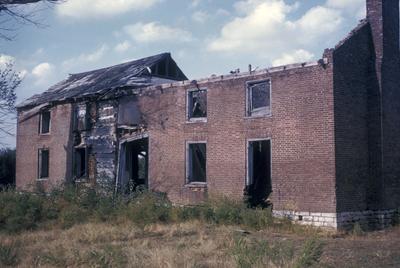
<point>196,162</point>
<point>259,172</point>
<point>197,103</point>
<point>44,126</point>
<point>43,163</point>
<point>259,101</point>
<point>80,163</point>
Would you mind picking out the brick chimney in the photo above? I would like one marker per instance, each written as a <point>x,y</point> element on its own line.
<point>383,16</point>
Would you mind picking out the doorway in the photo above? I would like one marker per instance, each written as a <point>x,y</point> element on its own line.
<point>258,184</point>
<point>133,166</point>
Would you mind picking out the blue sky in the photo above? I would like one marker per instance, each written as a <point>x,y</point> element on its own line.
<point>205,37</point>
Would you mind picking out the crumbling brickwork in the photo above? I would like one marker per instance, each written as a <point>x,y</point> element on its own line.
<point>332,126</point>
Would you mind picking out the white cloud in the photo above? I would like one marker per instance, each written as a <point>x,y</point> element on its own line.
<point>86,58</point>
<point>299,55</point>
<point>351,7</point>
<point>318,21</point>
<point>200,16</point>
<point>222,12</point>
<point>155,32</point>
<point>195,3</point>
<point>101,8</point>
<point>122,47</point>
<point>263,28</point>
<point>43,73</point>
<point>39,52</point>
<point>352,4</point>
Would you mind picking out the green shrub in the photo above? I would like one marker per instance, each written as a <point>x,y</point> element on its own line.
<point>74,205</point>
<point>148,208</point>
<point>228,212</point>
<point>20,211</point>
<point>108,208</point>
<point>257,218</point>
<point>187,213</point>
<point>8,254</point>
<point>357,230</point>
<point>72,215</point>
<point>310,254</point>
<point>56,257</point>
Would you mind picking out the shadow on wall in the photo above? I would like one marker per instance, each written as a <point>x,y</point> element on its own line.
<point>7,167</point>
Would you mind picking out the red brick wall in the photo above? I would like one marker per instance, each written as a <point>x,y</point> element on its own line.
<point>29,141</point>
<point>357,123</point>
<point>301,129</point>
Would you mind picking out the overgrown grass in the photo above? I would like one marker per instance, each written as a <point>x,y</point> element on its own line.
<point>262,253</point>
<point>311,253</point>
<point>8,254</point>
<point>71,206</point>
<point>249,253</point>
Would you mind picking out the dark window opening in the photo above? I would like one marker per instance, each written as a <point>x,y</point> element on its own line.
<point>167,68</point>
<point>133,165</point>
<point>259,102</point>
<point>44,122</point>
<point>197,103</point>
<point>172,70</point>
<point>162,68</point>
<point>196,162</point>
<point>80,163</point>
<point>43,164</point>
<point>259,173</point>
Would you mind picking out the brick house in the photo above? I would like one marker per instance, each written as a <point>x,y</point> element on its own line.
<point>319,140</point>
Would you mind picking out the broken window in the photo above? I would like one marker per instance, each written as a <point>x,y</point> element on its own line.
<point>81,117</point>
<point>196,162</point>
<point>197,104</point>
<point>43,165</point>
<point>80,163</point>
<point>44,124</point>
<point>259,98</point>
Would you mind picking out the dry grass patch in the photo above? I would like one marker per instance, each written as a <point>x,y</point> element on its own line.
<point>188,244</point>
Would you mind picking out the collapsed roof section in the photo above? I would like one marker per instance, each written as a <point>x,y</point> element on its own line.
<point>154,70</point>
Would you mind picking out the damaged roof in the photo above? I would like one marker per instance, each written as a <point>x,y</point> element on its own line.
<point>154,70</point>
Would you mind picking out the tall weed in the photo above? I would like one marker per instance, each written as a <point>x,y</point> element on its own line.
<point>8,254</point>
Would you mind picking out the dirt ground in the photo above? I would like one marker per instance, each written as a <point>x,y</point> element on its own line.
<point>376,249</point>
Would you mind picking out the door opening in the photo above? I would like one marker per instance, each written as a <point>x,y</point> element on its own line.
<point>133,165</point>
<point>258,185</point>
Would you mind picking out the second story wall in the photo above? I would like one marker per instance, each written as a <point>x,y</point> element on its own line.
<point>300,127</point>
<point>42,147</point>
